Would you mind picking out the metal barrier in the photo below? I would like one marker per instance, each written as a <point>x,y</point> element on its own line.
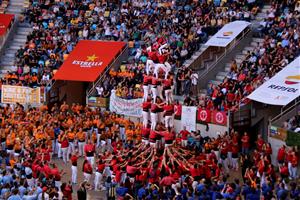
<point>226,51</point>
<point>90,91</point>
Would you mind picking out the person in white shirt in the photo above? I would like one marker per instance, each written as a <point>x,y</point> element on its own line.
<point>194,79</point>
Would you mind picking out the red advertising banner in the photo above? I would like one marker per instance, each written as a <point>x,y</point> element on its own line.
<point>219,117</point>
<point>204,115</point>
<point>5,22</point>
<point>88,60</point>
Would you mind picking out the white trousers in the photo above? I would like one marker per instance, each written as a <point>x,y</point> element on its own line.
<point>80,148</point>
<point>145,118</point>
<point>235,164</point>
<point>65,154</point>
<point>98,179</point>
<point>74,174</point>
<point>91,160</point>
<point>169,121</point>
<point>168,94</point>
<point>149,66</point>
<point>87,177</point>
<point>154,120</point>
<point>146,92</point>
<point>71,148</point>
<point>155,93</point>
<point>59,152</point>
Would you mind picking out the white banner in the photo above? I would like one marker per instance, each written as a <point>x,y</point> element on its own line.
<point>188,117</point>
<point>227,34</point>
<point>126,107</point>
<point>20,94</point>
<point>282,88</point>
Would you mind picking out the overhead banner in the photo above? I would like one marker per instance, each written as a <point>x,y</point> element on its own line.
<point>20,94</point>
<point>227,34</point>
<point>5,22</point>
<point>188,117</point>
<point>132,107</point>
<point>88,60</point>
<point>282,88</point>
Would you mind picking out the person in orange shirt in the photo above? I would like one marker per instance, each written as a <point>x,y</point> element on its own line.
<point>129,134</point>
<point>10,141</point>
<point>71,138</point>
<point>64,107</point>
<point>17,147</point>
<point>81,137</point>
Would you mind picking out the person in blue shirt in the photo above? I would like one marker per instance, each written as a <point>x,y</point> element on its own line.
<point>121,191</point>
<point>15,195</point>
<point>281,192</point>
<point>295,191</point>
<point>267,189</point>
<point>142,193</point>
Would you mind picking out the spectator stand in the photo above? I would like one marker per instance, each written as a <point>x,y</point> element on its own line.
<point>284,128</point>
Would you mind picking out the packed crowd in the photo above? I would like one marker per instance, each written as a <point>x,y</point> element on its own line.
<point>130,160</point>
<point>57,27</point>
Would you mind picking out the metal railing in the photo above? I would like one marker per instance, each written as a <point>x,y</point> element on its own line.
<point>227,50</point>
<point>95,84</point>
<point>286,109</point>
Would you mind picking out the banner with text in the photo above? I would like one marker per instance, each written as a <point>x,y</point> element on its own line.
<point>20,94</point>
<point>282,88</point>
<point>132,107</point>
<point>98,102</point>
<point>188,117</point>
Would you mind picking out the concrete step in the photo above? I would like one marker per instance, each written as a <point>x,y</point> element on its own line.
<point>9,55</point>
<point>239,56</point>
<point>261,14</point>
<point>24,29</point>
<point>15,8</point>
<point>254,44</point>
<point>17,36</point>
<point>245,52</point>
<point>7,63</point>
<point>203,91</point>
<point>24,25</point>
<point>20,40</point>
<point>16,3</point>
<point>220,78</point>
<point>239,61</point>
<point>259,40</point>
<point>194,57</point>
<point>259,19</point>
<point>8,68</point>
<point>267,7</point>
<point>188,62</point>
<point>249,48</point>
<point>222,74</point>
<point>10,51</point>
<point>227,69</point>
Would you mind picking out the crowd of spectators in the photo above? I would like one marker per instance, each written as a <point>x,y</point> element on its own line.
<point>126,167</point>
<point>280,47</point>
<point>57,27</point>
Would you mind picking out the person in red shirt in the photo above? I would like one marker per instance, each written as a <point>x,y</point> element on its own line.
<point>64,147</point>
<point>57,175</point>
<point>146,84</point>
<point>87,170</point>
<point>224,155</point>
<point>281,155</point>
<point>145,135</point>
<point>293,164</point>
<point>245,143</point>
<point>184,135</point>
<point>89,150</point>
<point>259,143</point>
<point>284,171</point>
<point>146,111</point>
<point>169,114</point>
<point>74,159</point>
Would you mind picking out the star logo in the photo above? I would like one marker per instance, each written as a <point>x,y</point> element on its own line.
<point>91,58</point>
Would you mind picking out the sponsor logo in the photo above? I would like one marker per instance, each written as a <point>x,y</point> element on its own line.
<point>282,88</point>
<point>91,61</point>
<point>228,33</point>
<point>291,80</point>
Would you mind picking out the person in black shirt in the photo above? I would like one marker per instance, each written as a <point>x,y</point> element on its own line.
<point>81,192</point>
